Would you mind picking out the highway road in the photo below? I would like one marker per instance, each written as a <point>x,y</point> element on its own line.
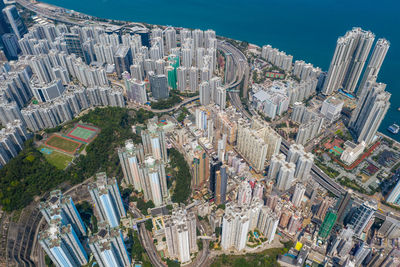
<point>146,241</point>
<point>240,60</point>
<point>155,259</point>
<point>240,66</point>
<point>178,106</point>
<point>46,13</point>
<point>148,245</point>
<point>67,19</point>
<point>316,173</point>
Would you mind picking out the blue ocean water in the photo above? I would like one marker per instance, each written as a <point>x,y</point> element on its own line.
<point>306,29</point>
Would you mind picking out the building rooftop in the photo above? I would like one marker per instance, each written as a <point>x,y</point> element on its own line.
<point>334,101</point>
<point>122,51</point>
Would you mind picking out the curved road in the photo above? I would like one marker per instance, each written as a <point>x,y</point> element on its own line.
<point>239,62</point>
<point>64,18</point>
<point>318,175</point>
<point>155,259</point>
<point>240,66</point>
<point>184,102</point>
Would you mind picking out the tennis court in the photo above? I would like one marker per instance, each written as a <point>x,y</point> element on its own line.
<point>274,75</point>
<point>83,133</point>
<point>336,150</point>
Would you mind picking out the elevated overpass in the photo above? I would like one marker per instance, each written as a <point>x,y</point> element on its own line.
<point>316,173</point>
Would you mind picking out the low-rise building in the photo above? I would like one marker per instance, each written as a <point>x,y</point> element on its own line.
<point>352,152</point>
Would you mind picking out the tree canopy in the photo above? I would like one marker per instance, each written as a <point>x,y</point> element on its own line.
<point>182,176</point>
<point>166,103</point>
<point>29,174</point>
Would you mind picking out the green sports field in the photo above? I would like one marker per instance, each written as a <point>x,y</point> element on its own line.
<point>56,158</point>
<point>63,144</point>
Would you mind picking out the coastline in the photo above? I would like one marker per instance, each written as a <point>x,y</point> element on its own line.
<point>335,187</point>
<point>148,26</point>
<point>395,143</point>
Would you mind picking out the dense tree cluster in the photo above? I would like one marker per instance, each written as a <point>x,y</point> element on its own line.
<point>182,176</point>
<point>182,115</point>
<point>149,225</point>
<point>166,103</point>
<point>25,176</point>
<point>136,249</point>
<point>86,211</point>
<point>266,258</point>
<point>144,206</point>
<point>29,174</point>
<point>171,263</point>
<point>185,94</point>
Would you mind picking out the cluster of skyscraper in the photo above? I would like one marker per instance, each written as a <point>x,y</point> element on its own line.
<point>69,105</point>
<point>12,139</point>
<point>343,242</point>
<point>239,219</point>
<point>305,71</point>
<point>288,213</point>
<point>143,165</point>
<point>300,69</point>
<point>277,58</point>
<point>56,57</point>
<point>297,165</point>
<point>275,99</point>
<point>257,142</point>
<point>51,55</point>
<point>107,245</point>
<point>64,238</point>
<point>12,28</point>
<point>346,68</point>
<point>180,234</point>
<point>60,240</point>
<point>167,66</point>
<point>310,123</point>
<point>370,111</point>
<point>345,71</point>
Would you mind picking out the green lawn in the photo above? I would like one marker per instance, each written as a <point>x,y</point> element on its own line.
<point>57,159</point>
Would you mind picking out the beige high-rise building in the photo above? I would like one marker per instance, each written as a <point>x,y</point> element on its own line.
<point>303,161</point>
<point>348,61</point>
<point>180,234</point>
<point>323,208</point>
<point>298,194</point>
<point>226,125</point>
<point>285,176</point>
<point>200,167</point>
<point>257,143</point>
